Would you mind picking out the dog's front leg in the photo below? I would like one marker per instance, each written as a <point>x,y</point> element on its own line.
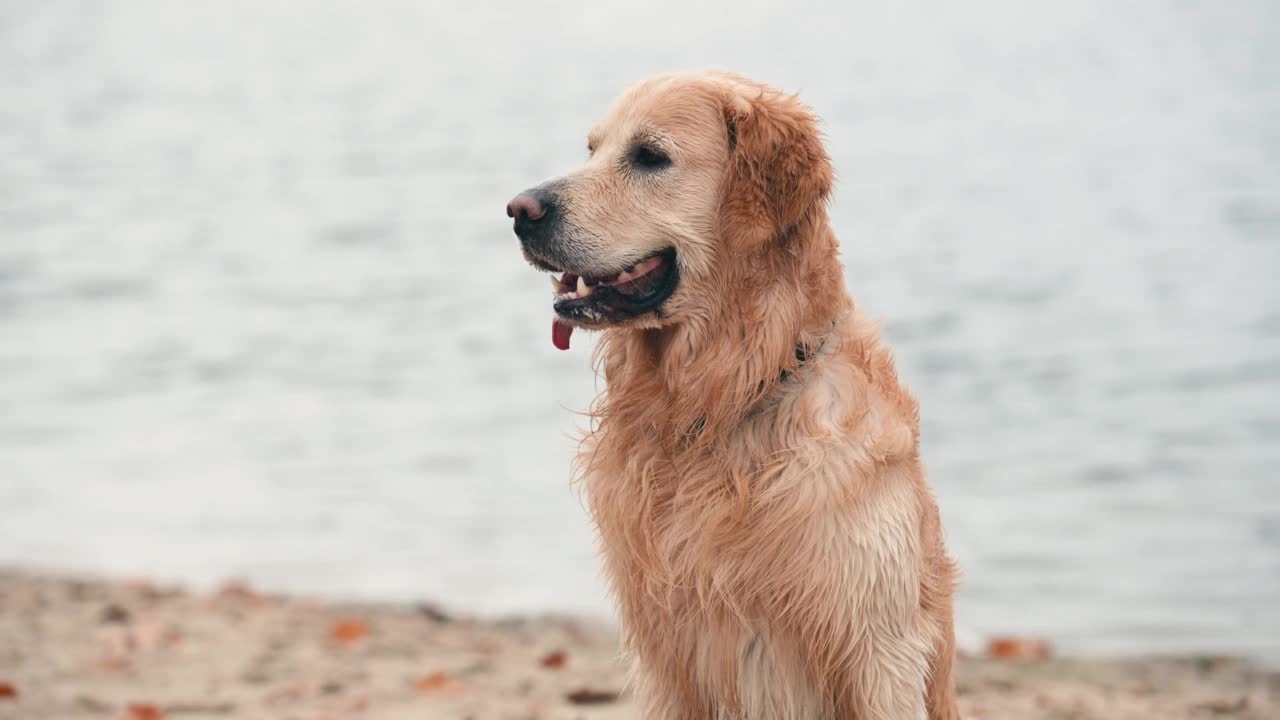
<point>665,695</point>
<point>886,683</point>
<point>862,630</point>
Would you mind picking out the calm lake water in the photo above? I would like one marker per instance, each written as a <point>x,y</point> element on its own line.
<point>261,312</point>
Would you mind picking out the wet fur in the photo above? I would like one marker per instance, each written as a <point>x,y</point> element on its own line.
<point>763,514</point>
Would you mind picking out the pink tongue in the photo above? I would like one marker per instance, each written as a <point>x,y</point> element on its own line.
<point>560,333</point>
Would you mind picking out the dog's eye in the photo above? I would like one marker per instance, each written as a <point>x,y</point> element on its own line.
<point>648,158</point>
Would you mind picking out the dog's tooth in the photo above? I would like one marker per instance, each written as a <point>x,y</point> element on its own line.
<point>583,288</point>
<point>556,284</point>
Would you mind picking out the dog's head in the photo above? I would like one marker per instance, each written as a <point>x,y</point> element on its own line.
<point>690,177</point>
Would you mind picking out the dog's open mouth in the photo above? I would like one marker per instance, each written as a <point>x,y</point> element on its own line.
<point>601,300</point>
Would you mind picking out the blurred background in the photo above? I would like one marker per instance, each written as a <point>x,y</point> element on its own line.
<point>262,314</point>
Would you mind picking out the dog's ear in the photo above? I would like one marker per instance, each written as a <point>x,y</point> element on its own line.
<point>778,172</point>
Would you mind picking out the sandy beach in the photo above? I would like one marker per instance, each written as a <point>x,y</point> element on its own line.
<point>74,648</point>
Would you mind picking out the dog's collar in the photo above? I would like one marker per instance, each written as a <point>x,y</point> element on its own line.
<point>804,353</point>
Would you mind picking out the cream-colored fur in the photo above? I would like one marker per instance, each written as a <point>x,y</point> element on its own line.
<point>753,464</point>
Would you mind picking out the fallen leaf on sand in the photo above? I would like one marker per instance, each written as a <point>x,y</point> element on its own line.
<point>144,711</point>
<point>1225,707</point>
<point>433,613</point>
<point>145,589</point>
<point>111,663</point>
<point>201,708</point>
<point>285,694</point>
<point>8,691</point>
<point>1009,647</point>
<point>114,614</point>
<point>591,697</point>
<point>155,636</point>
<point>349,631</point>
<point>1210,663</point>
<point>435,682</point>
<point>93,704</point>
<point>555,660</point>
<point>359,703</point>
<point>239,590</point>
<point>331,687</point>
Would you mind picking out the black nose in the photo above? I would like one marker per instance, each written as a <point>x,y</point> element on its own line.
<point>525,207</point>
<point>533,211</point>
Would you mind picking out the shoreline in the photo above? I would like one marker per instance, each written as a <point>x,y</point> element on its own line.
<point>90,648</point>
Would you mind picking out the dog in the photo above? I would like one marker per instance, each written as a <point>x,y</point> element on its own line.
<point>753,465</point>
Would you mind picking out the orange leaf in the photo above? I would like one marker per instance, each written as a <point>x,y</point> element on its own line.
<point>349,631</point>
<point>111,663</point>
<point>1008,647</point>
<point>144,711</point>
<point>555,660</point>
<point>7,691</point>
<point>434,682</point>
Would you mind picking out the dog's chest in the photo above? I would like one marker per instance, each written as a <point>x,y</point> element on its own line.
<point>699,575</point>
<point>687,585</point>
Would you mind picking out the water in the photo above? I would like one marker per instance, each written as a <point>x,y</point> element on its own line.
<point>261,313</point>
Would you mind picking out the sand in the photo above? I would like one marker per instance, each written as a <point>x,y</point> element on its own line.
<point>74,648</point>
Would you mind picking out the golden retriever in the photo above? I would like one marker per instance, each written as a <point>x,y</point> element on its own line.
<point>753,465</point>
